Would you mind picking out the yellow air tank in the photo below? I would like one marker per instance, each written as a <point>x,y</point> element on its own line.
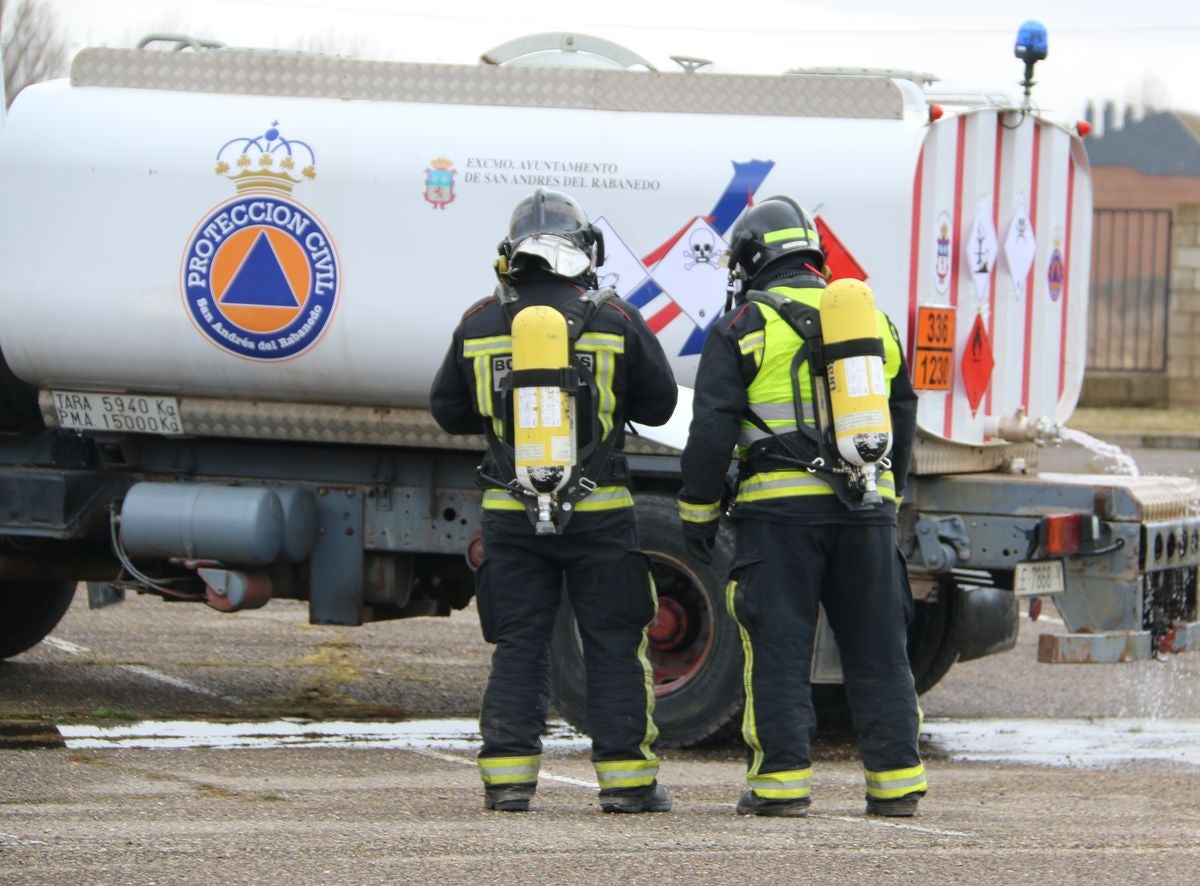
<point>544,414</point>
<point>862,424</point>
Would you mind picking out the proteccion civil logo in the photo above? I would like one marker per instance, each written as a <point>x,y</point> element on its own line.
<point>260,273</point>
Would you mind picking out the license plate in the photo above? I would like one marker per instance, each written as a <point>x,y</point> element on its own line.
<point>1036,579</point>
<point>89,411</point>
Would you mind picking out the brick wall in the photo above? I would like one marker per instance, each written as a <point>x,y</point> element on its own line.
<point>1123,187</point>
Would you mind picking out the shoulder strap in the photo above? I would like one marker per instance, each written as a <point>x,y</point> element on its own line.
<point>804,320</point>
<point>579,313</point>
<point>593,460</point>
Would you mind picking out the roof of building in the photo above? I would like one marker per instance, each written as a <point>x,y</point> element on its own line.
<point>1165,143</point>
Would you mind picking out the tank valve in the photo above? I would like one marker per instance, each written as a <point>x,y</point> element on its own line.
<point>1018,428</point>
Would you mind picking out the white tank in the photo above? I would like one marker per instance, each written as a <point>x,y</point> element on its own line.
<point>279,228</point>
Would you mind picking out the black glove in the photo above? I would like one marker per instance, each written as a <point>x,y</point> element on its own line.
<point>700,549</point>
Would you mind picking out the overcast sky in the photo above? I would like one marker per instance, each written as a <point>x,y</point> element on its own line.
<point>1100,50</point>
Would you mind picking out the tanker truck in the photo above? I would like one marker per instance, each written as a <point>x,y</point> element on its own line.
<point>230,275</point>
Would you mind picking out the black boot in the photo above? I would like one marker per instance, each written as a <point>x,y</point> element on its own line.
<point>508,797</point>
<point>652,798</point>
<point>900,807</point>
<point>751,803</point>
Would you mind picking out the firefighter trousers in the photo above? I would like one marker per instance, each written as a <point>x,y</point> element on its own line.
<point>519,588</point>
<point>780,573</point>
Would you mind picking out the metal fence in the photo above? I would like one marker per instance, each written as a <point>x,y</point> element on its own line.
<point>1131,277</point>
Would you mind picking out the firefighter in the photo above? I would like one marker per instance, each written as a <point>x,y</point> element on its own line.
<point>571,517</point>
<point>807,532</point>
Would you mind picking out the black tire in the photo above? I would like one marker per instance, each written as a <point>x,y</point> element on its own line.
<point>933,636</point>
<point>695,646</point>
<point>29,610</point>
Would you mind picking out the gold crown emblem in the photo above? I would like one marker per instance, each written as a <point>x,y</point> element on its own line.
<point>265,161</point>
<point>441,163</point>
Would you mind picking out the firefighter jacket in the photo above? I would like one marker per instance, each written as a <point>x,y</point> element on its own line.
<point>633,382</point>
<point>746,365</point>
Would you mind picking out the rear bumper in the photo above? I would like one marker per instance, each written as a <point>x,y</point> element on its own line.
<point>1117,646</point>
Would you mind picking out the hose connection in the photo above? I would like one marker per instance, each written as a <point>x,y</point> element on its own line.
<point>1019,428</point>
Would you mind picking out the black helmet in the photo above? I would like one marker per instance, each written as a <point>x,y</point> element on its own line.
<point>775,229</point>
<point>550,226</point>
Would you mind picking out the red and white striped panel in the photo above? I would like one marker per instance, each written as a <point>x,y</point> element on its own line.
<point>992,163</point>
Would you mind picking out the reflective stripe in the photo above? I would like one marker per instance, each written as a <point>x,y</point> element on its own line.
<point>483,392</point>
<point>791,234</point>
<point>480,351</point>
<point>779,416</point>
<point>626,773</point>
<point>751,435</point>
<point>749,724</point>
<point>782,785</point>
<point>782,484</point>
<point>499,500</point>
<point>604,347</point>
<point>607,341</point>
<point>492,345</point>
<point>694,513</point>
<point>781,411</point>
<point>651,734</point>
<point>753,343</point>
<point>752,340</point>
<point>605,498</point>
<point>509,770</point>
<point>605,369</point>
<point>602,498</point>
<point>896,782</point>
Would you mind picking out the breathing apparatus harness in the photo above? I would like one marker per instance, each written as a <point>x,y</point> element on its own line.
<point>576,379</point>
<point>811,447</point>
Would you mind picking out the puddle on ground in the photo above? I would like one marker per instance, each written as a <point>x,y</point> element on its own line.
<point>431,734</point>
<point>1078,743</point>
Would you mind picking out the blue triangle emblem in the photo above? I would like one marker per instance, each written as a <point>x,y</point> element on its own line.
<point>260,281</point>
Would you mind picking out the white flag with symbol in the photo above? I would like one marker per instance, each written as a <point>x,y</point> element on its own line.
<point>691,276</point>
<point>981,247</point>
<point>622,269</point>
<point>1020,246</point>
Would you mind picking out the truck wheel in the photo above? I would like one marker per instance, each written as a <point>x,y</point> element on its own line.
<point>694,644</point>
<point>933,636</point>
<point>29,610</point>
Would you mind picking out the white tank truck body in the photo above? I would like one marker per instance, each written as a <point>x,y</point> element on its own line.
<point>230,277</point>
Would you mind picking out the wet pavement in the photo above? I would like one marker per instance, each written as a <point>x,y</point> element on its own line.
<point>167,743</point>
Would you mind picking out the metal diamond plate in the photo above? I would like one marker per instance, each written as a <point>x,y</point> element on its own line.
<point>248,72</point>
<point>932,456</point>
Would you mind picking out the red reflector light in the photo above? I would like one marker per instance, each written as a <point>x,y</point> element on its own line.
<point>1060,534</point>
<point>1083,128</point>
<point>935,113</point>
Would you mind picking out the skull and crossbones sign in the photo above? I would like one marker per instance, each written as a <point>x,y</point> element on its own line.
<point>702,249</point>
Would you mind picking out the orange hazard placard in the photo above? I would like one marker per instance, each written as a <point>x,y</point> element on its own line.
<point>933,360</point>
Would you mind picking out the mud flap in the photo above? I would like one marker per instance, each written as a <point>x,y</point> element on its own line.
<point>826,659</point>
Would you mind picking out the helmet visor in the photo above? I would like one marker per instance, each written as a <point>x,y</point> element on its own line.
<point>562,256</point>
